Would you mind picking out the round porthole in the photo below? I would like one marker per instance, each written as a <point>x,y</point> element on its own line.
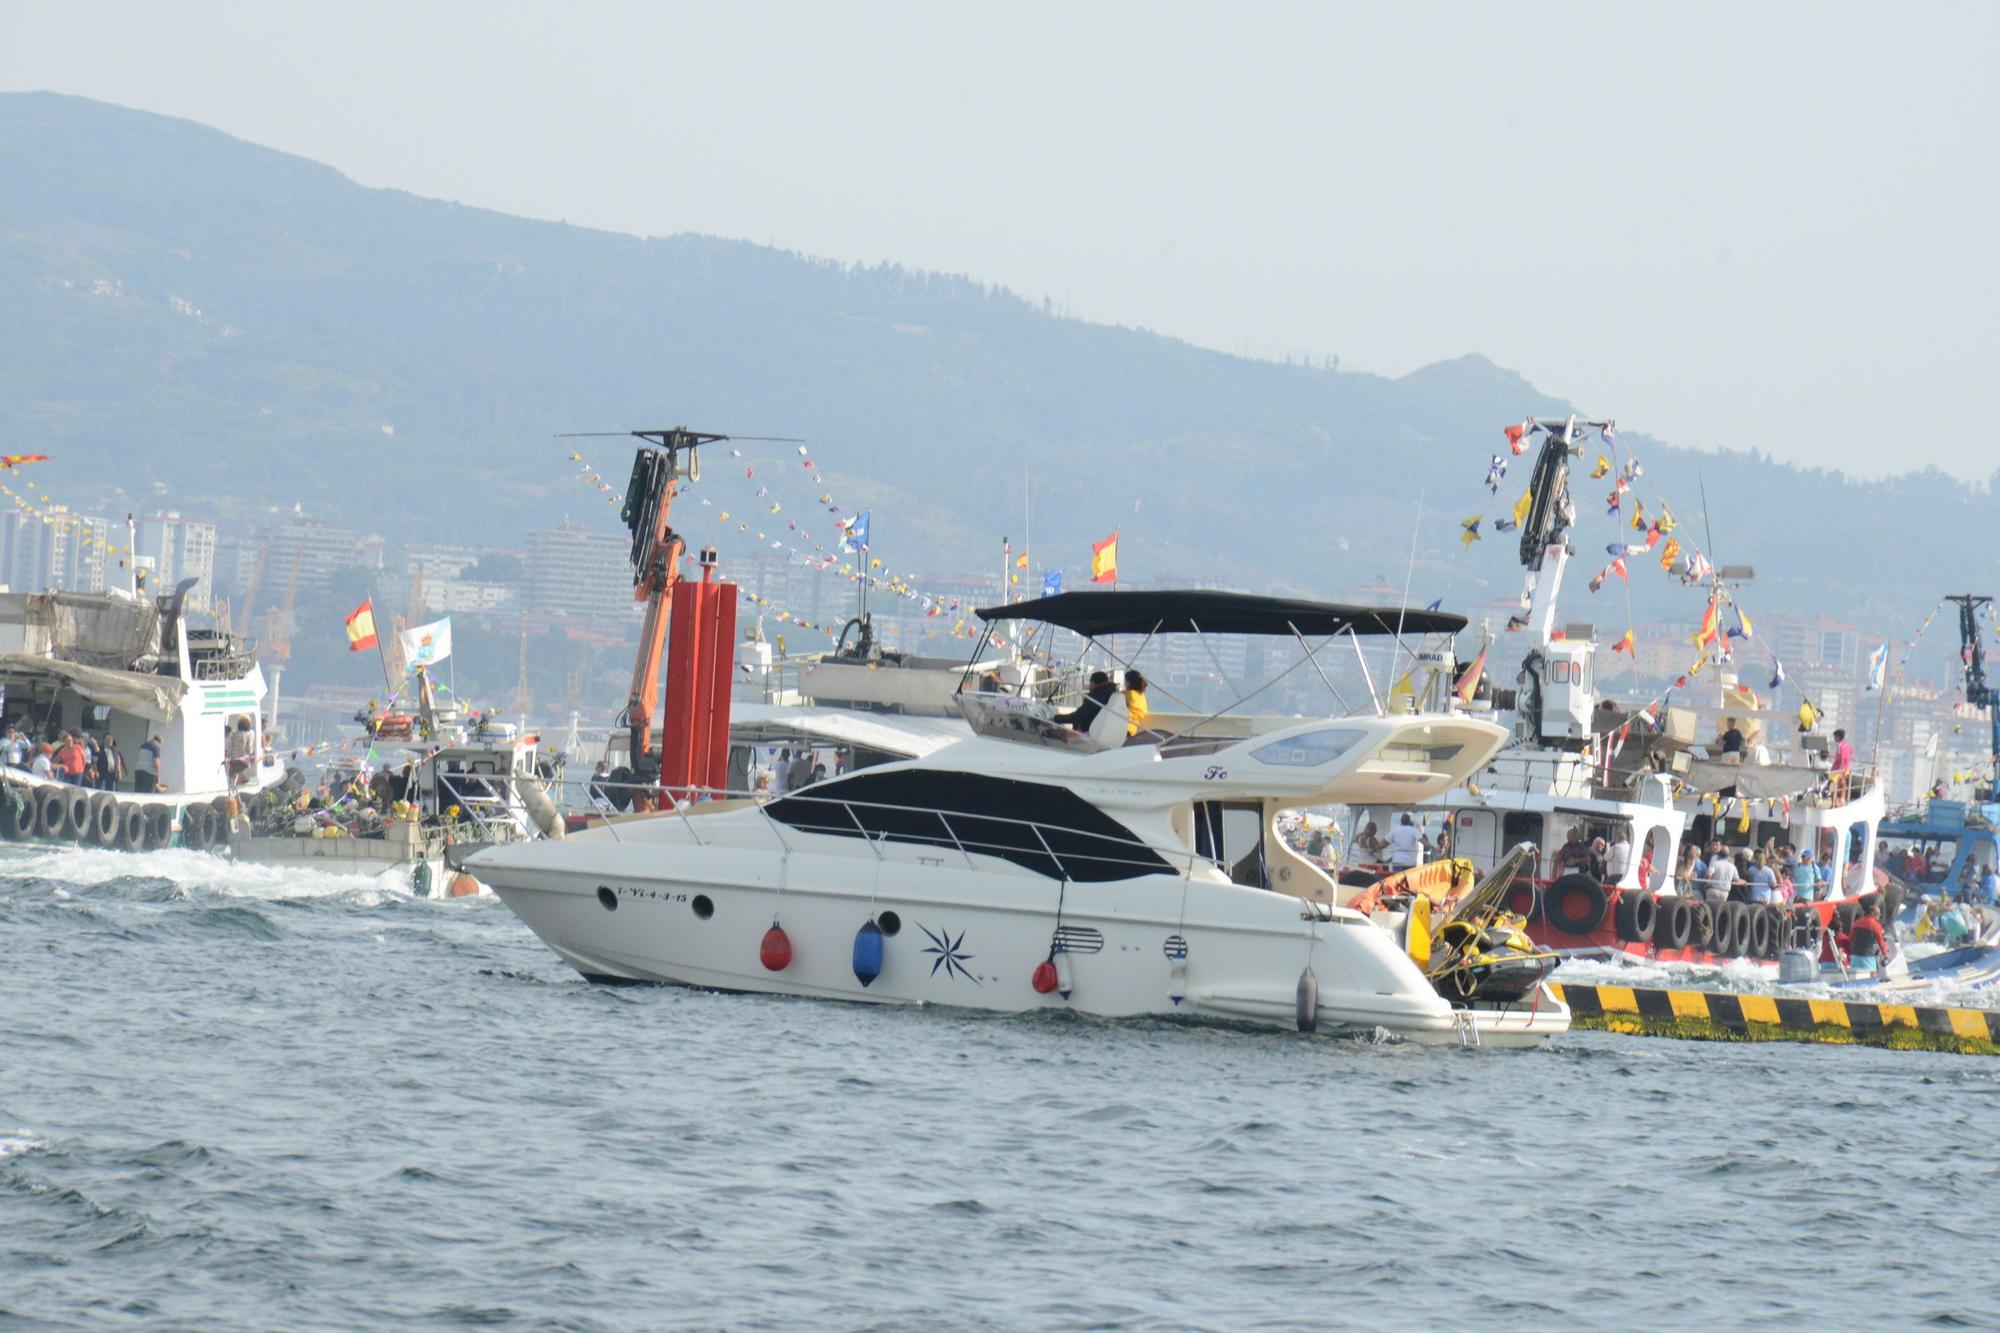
<point>889,922</point>
<point>703,908</point>
<point>608,898</point>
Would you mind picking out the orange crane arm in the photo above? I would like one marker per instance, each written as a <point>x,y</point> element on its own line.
<point>657,469</point>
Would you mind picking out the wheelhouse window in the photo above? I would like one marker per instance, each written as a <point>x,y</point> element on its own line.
<point>1049,830</point>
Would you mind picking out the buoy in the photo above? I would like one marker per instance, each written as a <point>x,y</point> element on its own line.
<point>1063,982</point>
<point>1044,979</point>
<point>868,952</point>
<point>464,885</point>
<point>1308,1000</point>
<point>1177,979</point>
<point>775,953</point>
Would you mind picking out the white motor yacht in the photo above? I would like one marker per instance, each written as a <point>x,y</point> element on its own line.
<point>1038,866</point>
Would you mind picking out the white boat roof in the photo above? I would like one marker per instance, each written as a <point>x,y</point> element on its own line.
<point>890,733</point>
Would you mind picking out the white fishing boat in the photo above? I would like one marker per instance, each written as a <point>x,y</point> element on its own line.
<point>127,668</point>
<point>1037,867</point>
<point>426,781</point>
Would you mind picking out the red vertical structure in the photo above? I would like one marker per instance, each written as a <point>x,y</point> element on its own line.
<point>701,642</point>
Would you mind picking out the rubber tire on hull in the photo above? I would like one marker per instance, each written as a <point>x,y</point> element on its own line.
<point>1802,928</point>
<point>1701,931</point>
<point>1522,900</point>
<point>1676,922</point>
<point>194,828</point>
<point>1732,931</point>
<point>17,813</point>
<point>1636,917</point>
<point>131,828</point>
<point>76,813</point>
<point>159,827</point>
<point>104,819</point>
<point>50,803</point>
<point>1568,893</point>
<point>218,829</point>
<point>1761,933</point>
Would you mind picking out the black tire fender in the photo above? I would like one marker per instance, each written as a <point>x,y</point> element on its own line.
<point>1637,916</point>
<point>1577,904</point>
<point>1676,922</point>
<point>194,828</point>
<point>159,827</point>
<point>132,828</point>
<point>218,827</point>
<point>76,813</point>
<point>51,805</point>
<point>17,812</point>
<point>104,819</point>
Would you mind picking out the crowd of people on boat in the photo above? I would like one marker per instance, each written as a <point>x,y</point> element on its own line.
<point>1775,873</point>
<point>83,759</point>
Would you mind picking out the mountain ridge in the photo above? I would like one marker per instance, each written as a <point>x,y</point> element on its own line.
<point>235,321</point>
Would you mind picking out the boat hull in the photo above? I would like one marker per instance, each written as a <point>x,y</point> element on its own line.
<point>959,937</point>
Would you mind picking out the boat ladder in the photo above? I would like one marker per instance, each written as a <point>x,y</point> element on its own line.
<point>1468,1030</point>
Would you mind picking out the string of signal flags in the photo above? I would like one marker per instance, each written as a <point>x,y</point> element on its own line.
<point>1655,537</point>
<point>850,554</point>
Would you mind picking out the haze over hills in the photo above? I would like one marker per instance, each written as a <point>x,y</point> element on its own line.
<point>240,326</point>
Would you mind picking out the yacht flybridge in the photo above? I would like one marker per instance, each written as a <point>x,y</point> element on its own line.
<point>1112,870</point>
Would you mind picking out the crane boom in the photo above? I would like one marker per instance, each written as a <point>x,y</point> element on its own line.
<point>662,459</point>
<point>1979,693</point>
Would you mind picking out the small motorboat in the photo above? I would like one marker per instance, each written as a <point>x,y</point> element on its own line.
<point>1955,969</point>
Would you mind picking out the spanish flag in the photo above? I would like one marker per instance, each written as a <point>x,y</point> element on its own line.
<point>1104,559</point>
<point>1708,626</point>
<point>361,627</point>
<point>1021,560</point>
<point>1468,680</point>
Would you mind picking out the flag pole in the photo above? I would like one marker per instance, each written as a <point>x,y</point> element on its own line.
<point>381,653</point>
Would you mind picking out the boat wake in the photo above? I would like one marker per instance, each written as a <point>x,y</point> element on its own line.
<point>189,872</point>
<point>1739,978</point>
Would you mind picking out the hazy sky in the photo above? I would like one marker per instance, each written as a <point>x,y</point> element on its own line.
<point>1728,225</point>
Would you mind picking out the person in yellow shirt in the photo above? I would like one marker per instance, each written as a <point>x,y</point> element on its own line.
<point>1135,701</point>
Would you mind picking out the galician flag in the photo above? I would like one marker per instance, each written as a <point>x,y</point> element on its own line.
<point>1104,559</point>
<point>1878,666</point>
<point>361,628</point>
<point>426,645</point>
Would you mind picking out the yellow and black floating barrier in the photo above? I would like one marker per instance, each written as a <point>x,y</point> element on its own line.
<point>1713,1016</point>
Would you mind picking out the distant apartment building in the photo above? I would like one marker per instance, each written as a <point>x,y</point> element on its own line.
<point>56,549</point>
<point>576,573</point>
<point>300,551</point>
<point>1818,643</point>
<point>180,548</point>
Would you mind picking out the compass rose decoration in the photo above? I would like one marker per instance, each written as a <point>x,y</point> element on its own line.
<point>948,953</point>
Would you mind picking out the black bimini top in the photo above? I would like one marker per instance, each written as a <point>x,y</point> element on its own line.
<point>1197,611</point>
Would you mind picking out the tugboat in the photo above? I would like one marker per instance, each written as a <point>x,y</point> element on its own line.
<point>115,665</point>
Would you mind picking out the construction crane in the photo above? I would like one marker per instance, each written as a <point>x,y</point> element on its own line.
<point>256,581</point>
<point>522,699</point>
<point>278,622</point>
<point>1978,692</point>
<point>393,657</point>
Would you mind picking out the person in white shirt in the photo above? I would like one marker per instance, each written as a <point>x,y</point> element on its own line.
<point>1721,877</point>
<point>41,767</point>
<point>1619,859</point>
<point>1406,845</point>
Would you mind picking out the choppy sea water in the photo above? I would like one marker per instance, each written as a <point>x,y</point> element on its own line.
<point>234,1098</point>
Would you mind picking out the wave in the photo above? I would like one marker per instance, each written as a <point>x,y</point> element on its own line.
<point>143,874</point>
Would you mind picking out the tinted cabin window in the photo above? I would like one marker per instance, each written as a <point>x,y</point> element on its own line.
<point>1049,830</point>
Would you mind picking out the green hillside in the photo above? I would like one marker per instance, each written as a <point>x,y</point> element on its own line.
<point>232,328</point>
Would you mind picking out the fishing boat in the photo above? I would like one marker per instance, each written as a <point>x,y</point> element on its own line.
<point>1578,767</point>
<point>1034,866</point>
<point>427,780</point>
<point>127,667</point>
